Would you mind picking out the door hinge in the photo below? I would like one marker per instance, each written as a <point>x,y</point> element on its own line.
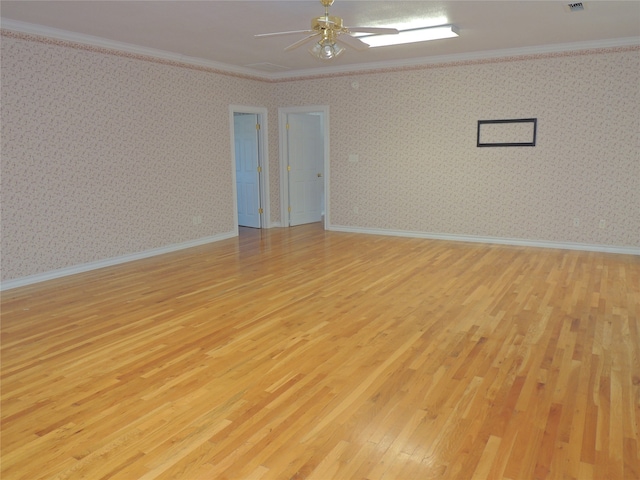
<point>260,211</point>
<point>257,126</point>
<point>288,168</point>
<point>289,209</point>
<point>287,126</point>
<point>259,169</point>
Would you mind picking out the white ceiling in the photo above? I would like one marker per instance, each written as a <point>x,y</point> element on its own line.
<point>221,33</point>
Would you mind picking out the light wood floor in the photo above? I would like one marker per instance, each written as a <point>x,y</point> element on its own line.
<point>303,354</point>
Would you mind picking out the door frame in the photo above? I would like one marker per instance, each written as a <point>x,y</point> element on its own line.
<point>323,110</point>
<point>263,162</point>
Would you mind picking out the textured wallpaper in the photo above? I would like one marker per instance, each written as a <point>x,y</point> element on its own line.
<point>105,155</point>
<point>419,169</point>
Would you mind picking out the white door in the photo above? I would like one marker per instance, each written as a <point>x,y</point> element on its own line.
<point>305,148</point>
<point>247,169</point>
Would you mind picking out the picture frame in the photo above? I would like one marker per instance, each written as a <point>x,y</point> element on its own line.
<point>520,132</point>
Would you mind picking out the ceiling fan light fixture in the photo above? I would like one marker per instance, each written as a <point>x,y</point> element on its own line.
<point>412,36</point>
<point>326,49</point>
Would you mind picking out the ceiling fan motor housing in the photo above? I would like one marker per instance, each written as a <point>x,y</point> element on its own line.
<point>327,23</point>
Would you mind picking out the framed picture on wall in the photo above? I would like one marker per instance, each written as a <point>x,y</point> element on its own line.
<point>519,132</point>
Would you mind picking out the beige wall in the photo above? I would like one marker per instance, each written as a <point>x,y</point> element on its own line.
<point>105,155</point>
<point>419,169</point>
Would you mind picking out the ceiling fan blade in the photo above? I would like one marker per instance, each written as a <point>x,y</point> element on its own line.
<point>374,30</point>
<point>275,34</point>
<point>352,42</point>
<point>299,43</point>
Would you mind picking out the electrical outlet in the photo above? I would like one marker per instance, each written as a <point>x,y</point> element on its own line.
<point>602,224</point>
<point>197,219</point>
<point>356,210</point>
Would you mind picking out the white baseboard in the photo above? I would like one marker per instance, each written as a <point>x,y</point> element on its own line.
<point>495,240</point>
<point>63,272</point>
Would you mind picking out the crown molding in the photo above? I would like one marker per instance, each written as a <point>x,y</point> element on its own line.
<point>135,50</point>
<point>462,58</point>
<point>361,68</point>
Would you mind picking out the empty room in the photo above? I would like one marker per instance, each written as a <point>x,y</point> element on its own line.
<point>320,239</point>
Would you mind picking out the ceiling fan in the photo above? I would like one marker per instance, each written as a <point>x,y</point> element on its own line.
<point>328,30</point>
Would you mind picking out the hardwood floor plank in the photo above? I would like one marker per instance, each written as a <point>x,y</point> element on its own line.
<point>301,353</point>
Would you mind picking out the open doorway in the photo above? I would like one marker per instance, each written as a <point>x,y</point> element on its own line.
<point>250,166</point>
<point>304,164</point>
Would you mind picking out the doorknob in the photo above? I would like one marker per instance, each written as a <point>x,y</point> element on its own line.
<point>319,175</point>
